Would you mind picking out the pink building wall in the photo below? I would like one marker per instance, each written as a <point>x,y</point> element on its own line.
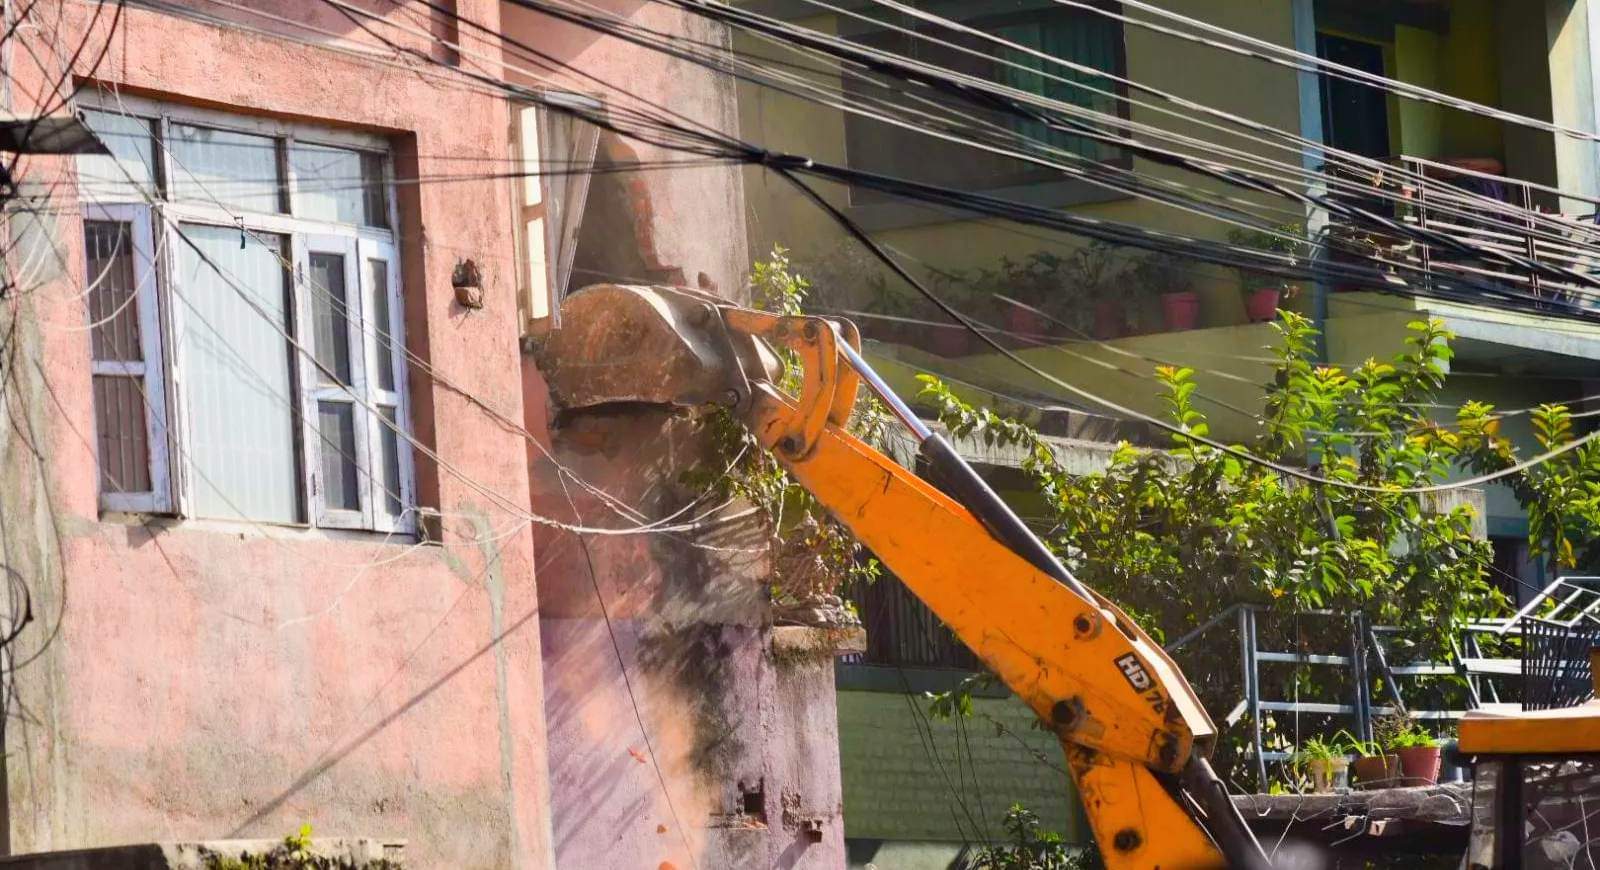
<point>719,705</point>
<point>204,680</point>
<point>198,680</point>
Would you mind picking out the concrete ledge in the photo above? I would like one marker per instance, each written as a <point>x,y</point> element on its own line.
<point>790,641</point>
<point>343,852</point>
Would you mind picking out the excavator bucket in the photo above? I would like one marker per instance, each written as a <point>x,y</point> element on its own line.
<point>653,345</point>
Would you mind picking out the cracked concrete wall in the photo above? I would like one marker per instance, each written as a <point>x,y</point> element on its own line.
<point>193,680</point>
<point>662,694</point>
<point>663,703</point>
<point>688,222</point>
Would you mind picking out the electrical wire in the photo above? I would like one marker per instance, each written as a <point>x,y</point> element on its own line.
<point>1238,453</point>
<point>1369,277</point>
<point>1012,102</point>
<point>788,167</point>
<point>1444,295</point>
<point>1303,62</point>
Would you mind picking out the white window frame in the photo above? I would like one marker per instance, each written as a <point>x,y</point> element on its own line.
<point>370,248</point>
<point>534,199</point>
<point>357,243</point>
<point>314,392</point>
<point>151,370</point>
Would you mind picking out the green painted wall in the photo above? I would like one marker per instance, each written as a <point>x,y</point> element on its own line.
<point>1469,68</point>
<point>1416,54</point>
<point>1568,25</point>
<point>1234,84</point>
<point>1228,361</point>
<point>1525,89</point>
<point>902,773</point>
<point>1464,62</point>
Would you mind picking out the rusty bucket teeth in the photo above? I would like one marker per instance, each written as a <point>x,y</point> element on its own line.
<point>652,345</point>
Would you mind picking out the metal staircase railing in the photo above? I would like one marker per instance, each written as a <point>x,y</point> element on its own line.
<point>1366,656</point>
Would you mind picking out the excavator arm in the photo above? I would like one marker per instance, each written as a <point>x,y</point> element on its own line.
<point>1134,735</point>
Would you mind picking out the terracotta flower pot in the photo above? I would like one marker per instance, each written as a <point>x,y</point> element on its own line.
<point>1329,775</point>
<point>1027,324</point>
<point>1377,770</point>
<point>1419,765</point>
<point>1261,304</point>
<point>1180,311</point>
<point>1110,319</point>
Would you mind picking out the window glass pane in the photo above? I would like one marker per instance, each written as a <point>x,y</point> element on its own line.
<point>390,441</point>
<point>113,306</point>
<point>128,173</point>
<point>235,369</point>
<point>1087,40</point>
<point>237,171</point>
<point>338,184</point>
<point>537,274</point>
<point>331,320</point>
<point>379,324</point>
<point>528,150</point>
<point>336,426</point>
<point>375,188</point>
<point>119,427</point>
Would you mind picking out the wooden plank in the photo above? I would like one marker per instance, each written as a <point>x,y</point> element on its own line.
<point>1447,804</point>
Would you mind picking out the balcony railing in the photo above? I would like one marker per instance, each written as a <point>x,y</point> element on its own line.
<point>1493,215</point>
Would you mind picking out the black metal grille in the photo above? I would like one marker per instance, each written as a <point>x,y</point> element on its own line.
<point>901,630</point>
<point>1555,663</point>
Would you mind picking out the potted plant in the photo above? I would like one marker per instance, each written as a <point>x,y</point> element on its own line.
<point>1096,282</point>
<point>892,326</point>
<point>1263,291</point>
<point>1327,762</point>
<point>1373,766</point>
<point>1171,279</point>
<point>1034,283</point>
<point>1419,756</point>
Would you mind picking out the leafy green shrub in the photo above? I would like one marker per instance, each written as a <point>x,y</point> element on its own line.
<point>1177,536</point>
<point>1031,848</point>
<point>814,555</point>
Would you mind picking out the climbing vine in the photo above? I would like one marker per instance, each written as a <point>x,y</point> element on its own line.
<point>814,556</point>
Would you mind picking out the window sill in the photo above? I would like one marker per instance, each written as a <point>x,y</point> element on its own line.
<point>261,530</point>
<point>1054,194</point>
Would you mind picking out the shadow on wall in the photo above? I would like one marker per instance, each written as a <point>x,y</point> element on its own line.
<point>685,612</point>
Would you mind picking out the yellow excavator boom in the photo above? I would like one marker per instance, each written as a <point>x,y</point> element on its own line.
<point>1134,735</point>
